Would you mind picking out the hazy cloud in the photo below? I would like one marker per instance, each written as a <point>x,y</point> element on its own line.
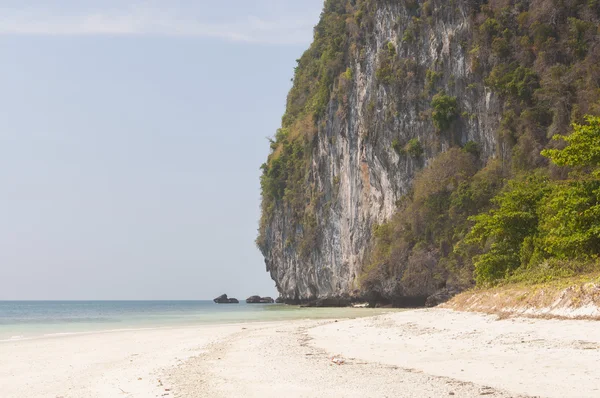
<point>156,22</point>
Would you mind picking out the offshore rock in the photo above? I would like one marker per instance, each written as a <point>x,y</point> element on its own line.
<point>223,299</point>
<point>259,300</point>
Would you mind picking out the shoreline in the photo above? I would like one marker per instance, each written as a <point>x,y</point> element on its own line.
<point>417,353</point>
<point>16,331</point>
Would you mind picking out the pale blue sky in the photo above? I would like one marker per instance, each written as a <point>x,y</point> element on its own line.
<point>131,135</point>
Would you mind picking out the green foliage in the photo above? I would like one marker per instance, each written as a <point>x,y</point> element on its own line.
<point>489,28</point>
<point>284,182</point>
<point>504,229</point>
<point>583,148</point>
<point>391,70</point>
<point>570,228</point>
<point>397,147</point>
<point>554,270</point>
<point>414,148</point>
<point>426,9</point>
<point>348,74</point>
<point>415,247</point>
<point>535,219</point>
<point>431,79</point>
<point>412,30</point>
<point>541,33</point>
<point>541,61</point>
<point>445,110</point>
<point>570,221</point>
<point>385,74</point>
<point>391,49</point>
<point>473,148</point>
<point>579,35</point>
<point>513,80</point>
<point>500,47</point>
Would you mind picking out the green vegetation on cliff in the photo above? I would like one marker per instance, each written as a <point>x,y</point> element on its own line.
<point>536,219</point>
<point>285,181</point>
<point>462,223</point>
<point>469,218</point>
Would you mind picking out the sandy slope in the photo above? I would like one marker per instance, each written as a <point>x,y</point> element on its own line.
<point>425,353</point>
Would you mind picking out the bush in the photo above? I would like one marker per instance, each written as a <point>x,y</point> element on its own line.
<point>570,221</point>
<point>583,150</point>
<point>391,49</point>
<point>535,219</point>
<point>579,36</point>
<point>570,226</point>
<point>414,148</point>
<point>445,110</point>
<point>397,146</point>
<point>513,80</point>
<point>473,148</point>
<point>490,28</point>
<point>502,231</point>
<point>431,78</point>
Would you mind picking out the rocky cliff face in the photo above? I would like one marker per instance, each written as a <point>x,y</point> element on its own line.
<point>360,164</point>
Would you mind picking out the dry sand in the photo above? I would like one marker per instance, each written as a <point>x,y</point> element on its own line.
<point>424,353</point>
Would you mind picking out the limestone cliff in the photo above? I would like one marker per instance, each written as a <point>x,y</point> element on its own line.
<point>361,122</point>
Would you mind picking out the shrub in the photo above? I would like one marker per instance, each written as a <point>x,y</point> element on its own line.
<point>500,47</point>
<point>473,148</point>
<point>570,226</point>
<point>348,74</point>
<point>396,146</point>
<point>513,80</point>
<point>426,9</point>
<point>391,49</point>
<point>578,35</point>
<point>490,28</point>
<point>570,221</point>
<point>502,231</point>
<point>414,148</point>
<point>583,148</point>
<point>445,110</point>
<point>431,78</point>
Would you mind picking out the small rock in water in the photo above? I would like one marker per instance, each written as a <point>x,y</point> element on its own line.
<point>223,299</point>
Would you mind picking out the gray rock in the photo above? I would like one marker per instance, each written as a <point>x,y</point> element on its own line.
<point>440,297</point>
<point>223,299</point>
<point>259,300</point>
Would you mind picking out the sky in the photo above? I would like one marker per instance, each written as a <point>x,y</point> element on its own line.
<point>131,136</point>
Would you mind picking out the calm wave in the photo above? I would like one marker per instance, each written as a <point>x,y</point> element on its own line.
<point>28,319</point>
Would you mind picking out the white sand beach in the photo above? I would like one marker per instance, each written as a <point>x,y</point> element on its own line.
<point>421,353</point>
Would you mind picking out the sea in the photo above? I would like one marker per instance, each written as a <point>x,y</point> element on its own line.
<point>21,320</point>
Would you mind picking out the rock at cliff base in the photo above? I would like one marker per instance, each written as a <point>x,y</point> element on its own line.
<point>329,302</point>
<point>440,297</point>
<point>259,300</point>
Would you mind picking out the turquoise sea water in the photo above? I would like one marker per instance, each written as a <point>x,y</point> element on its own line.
<point>31,319</point>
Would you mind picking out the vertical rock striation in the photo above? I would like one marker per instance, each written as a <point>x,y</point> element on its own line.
<point>354,166</point>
